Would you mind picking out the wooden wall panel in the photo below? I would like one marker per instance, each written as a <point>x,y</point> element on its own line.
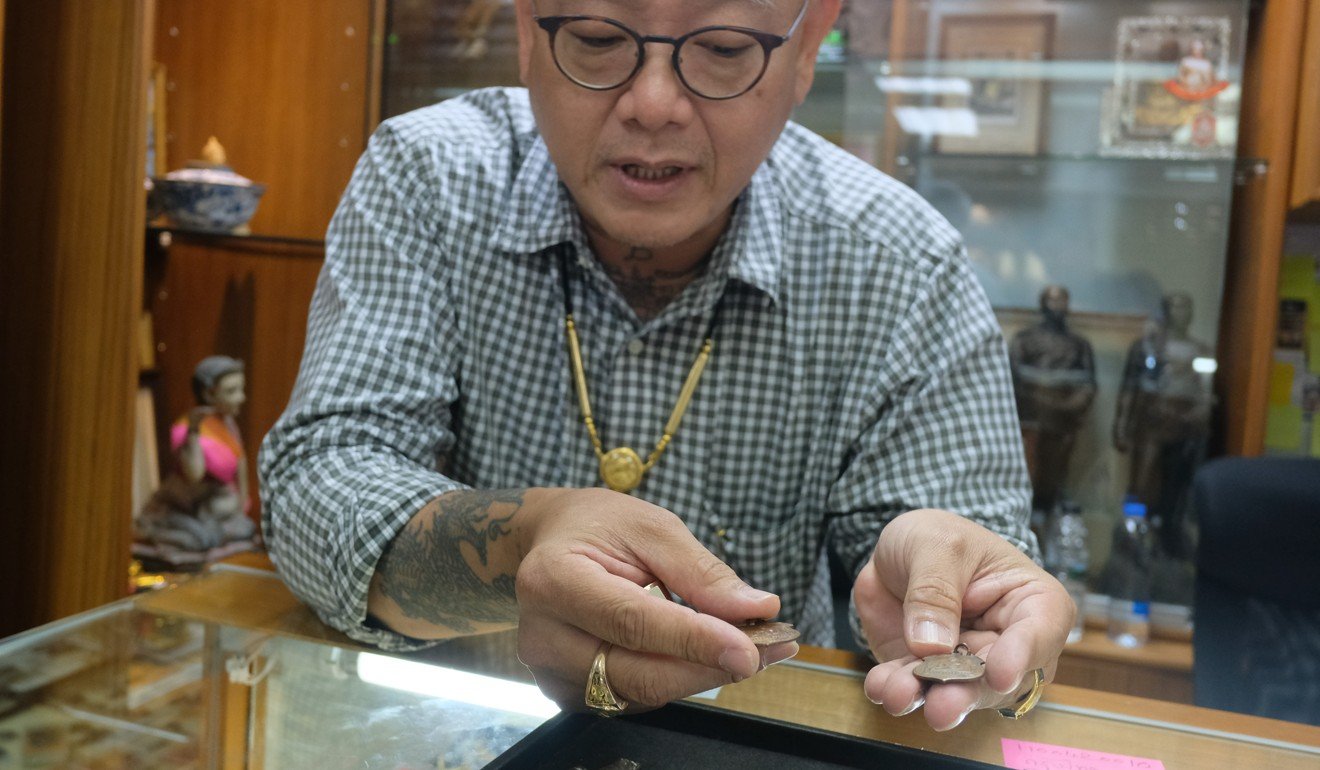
<point>242,298</point>
<point>71,211</point>
<point>1251,293</point>
<point>283,85</point>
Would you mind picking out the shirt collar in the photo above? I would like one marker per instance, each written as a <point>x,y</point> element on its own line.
<point>541,214</point>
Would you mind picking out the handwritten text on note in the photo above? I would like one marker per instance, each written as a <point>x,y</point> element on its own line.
<point>1028,755</point>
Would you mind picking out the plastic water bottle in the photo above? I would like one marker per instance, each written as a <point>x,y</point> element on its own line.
<point>1068,559</point>
<point>1129,601</point>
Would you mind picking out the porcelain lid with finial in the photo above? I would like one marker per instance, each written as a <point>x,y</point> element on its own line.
<point>211,168</point>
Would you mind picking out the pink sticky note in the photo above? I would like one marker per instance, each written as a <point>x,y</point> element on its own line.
<point>1029,755</point>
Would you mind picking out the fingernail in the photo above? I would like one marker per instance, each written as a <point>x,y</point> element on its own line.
<point>932,633</point>
<point>1016,684</point>
<point>778,654</point>
<point>739,662</point>
<point>957,721</point>
<point>755,594</point>
<point>913,706</point>
<point>876,701</point>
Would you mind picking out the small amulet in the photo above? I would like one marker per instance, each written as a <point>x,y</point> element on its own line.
<point>958,666</point>
<point>764,633</point>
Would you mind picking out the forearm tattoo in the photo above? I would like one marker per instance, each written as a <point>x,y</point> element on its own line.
<point>429,571</point>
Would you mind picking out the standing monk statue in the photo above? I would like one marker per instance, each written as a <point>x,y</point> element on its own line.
<point>1054,381</point>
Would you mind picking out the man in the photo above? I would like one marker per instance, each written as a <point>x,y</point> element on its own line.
<point>850,371</point>
<point>1054,380</point>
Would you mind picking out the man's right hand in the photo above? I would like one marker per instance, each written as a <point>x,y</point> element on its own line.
<point>588,556</point>
<point>570,567</point>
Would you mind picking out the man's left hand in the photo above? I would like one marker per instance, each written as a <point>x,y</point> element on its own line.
<point>936,580</point>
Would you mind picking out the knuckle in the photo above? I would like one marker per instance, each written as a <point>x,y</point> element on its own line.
<point>653,689</point>
<point>662,520</point>
<point>630,624</point>
<point>711,571</point>
<point>935,591</point>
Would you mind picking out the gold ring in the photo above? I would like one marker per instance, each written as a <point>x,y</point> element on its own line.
<point>1029,699</point>
<point>600,698</point>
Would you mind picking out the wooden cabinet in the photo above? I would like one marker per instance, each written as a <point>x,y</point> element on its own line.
<point>1267,138</point>
<point>71,208</point>
<point>1305,191</point>
<point>283,85</point>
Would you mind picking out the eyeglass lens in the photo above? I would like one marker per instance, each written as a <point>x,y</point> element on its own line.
<point>602,54</point>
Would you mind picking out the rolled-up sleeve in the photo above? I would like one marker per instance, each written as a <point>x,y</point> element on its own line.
<point>937,425</point>
<point>355,454</point>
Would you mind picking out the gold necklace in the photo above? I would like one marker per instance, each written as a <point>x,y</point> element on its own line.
<point>622,468</point>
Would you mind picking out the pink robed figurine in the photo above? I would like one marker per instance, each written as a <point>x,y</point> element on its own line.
<point>201,506</point>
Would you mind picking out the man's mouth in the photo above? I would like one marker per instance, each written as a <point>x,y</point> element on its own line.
<point>649,173</point>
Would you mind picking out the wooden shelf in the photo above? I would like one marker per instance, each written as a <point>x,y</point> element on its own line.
<point>1162,669</point>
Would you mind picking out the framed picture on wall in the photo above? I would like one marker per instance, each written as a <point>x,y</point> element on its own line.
<point>1001,109</point>
<point>1172,97</point>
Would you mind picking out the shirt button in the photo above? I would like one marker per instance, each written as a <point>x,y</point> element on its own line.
<point>636,347</point>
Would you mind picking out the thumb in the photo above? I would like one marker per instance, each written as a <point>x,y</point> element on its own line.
<point>933,600</point>
<point>707,584</point>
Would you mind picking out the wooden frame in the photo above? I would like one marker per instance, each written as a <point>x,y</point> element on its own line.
<point>1007,106</point>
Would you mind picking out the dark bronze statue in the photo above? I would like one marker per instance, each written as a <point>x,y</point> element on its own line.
<point>1054,380</point>
<point>1163,417</point>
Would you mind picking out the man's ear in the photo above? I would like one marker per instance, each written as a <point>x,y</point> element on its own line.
<point>526,37</point>
<point>816,25</point>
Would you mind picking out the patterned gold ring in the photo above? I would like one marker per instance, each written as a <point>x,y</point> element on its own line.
<point>599,697</point>
<point>1028,700</point>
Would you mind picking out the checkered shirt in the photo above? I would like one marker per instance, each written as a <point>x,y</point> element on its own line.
<point>858,371</point>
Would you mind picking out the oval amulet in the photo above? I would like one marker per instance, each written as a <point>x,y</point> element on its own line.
<point>764,633</point>
<point>958,666</point>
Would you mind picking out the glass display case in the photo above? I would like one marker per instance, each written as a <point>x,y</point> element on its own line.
<point>228,670</point>
<point>149,684</point>
<point>1087,147</point>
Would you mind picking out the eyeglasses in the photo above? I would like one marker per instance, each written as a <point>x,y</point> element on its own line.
<point>719,62</point>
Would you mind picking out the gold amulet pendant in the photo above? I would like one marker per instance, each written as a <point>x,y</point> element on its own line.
<point>621,469</point>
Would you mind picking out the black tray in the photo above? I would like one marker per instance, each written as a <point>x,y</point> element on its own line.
<point>683,735</point>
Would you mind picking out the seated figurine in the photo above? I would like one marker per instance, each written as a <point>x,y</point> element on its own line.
<point>203,501</point>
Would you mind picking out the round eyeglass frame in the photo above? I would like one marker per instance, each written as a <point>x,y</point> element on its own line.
<point>768,40</point>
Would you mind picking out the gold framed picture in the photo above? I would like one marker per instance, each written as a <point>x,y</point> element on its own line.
<point>1001,103</point>
<point>1172,97</point>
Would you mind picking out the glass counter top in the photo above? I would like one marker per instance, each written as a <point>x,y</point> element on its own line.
<point>229,670</point>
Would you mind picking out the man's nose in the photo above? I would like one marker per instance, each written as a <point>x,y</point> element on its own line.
<point>656,96</point>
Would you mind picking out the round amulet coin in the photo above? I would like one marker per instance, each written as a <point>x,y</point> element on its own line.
<point>764,633</point>
<point>958,666</point>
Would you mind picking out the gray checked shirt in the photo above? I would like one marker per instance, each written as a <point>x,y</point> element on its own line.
<point>858,371</point>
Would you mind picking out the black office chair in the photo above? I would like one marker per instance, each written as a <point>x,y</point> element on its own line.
<point>1257,611</point>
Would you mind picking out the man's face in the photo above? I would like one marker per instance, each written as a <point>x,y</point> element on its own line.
<point>651,164</point>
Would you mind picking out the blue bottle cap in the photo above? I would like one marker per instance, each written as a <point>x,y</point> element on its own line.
<point>1134,509</point>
